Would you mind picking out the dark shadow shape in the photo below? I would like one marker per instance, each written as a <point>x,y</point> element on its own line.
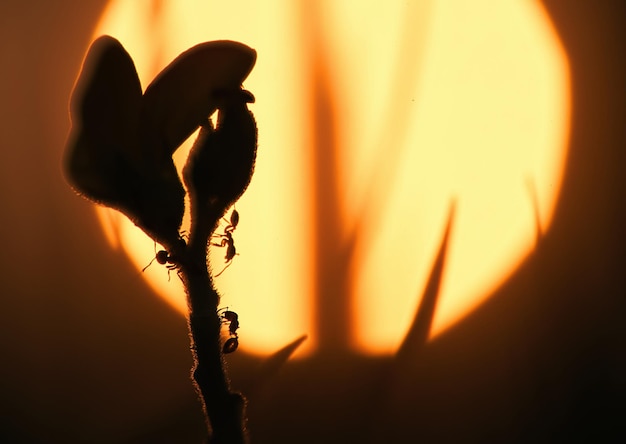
<point>270,366</point>
<point>332,310</point>
<point>393,375</point>
<point>417,336</point>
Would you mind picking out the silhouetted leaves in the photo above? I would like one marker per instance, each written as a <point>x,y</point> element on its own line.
<point>186,92</point>
<point>119,152</point>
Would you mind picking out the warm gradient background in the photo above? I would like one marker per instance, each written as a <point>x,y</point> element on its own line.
<point>88,354</point>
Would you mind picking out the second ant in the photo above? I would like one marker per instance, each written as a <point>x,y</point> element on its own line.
<point>232,319</point>
<point>226,240</point>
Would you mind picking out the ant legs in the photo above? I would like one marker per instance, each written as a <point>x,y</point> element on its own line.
<point>226,240</point>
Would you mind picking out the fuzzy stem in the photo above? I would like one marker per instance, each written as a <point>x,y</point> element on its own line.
<point>223,408</point>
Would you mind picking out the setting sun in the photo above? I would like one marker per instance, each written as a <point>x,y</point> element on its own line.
<point>372,120</point>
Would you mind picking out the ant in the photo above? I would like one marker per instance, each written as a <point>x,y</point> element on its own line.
<point>232,318</point>
<point>163,257</point>
<point>228,241</point>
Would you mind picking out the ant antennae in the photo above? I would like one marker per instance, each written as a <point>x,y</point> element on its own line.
<point>155,256</point>
<point>144,268</point>
<point>223,269</point>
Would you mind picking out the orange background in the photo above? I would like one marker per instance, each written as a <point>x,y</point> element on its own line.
<point>90,355</point>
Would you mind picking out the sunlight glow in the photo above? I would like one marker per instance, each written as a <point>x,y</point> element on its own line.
<point>434,101</point>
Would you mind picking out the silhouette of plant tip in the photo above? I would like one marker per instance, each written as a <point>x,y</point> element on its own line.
<point>221,162</point>
<point>119,151</point>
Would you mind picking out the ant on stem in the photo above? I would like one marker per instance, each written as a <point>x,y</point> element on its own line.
<point>226,240</point>
<point>163,257</point>
<point>232,318</point>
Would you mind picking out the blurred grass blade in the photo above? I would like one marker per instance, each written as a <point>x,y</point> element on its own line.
<point>271,365</point>
<point>417,335</point>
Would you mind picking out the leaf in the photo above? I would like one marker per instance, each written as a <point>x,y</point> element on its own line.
<point>181,98</point>
<point>104,107</point>
<point>103,160</point>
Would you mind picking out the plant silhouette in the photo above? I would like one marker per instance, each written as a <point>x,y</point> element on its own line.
<point>119,154</point>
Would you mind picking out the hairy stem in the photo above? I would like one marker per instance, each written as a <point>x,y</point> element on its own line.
<point>223,408</point>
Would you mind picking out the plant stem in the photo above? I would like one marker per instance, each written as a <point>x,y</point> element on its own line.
<point>223,408</point>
